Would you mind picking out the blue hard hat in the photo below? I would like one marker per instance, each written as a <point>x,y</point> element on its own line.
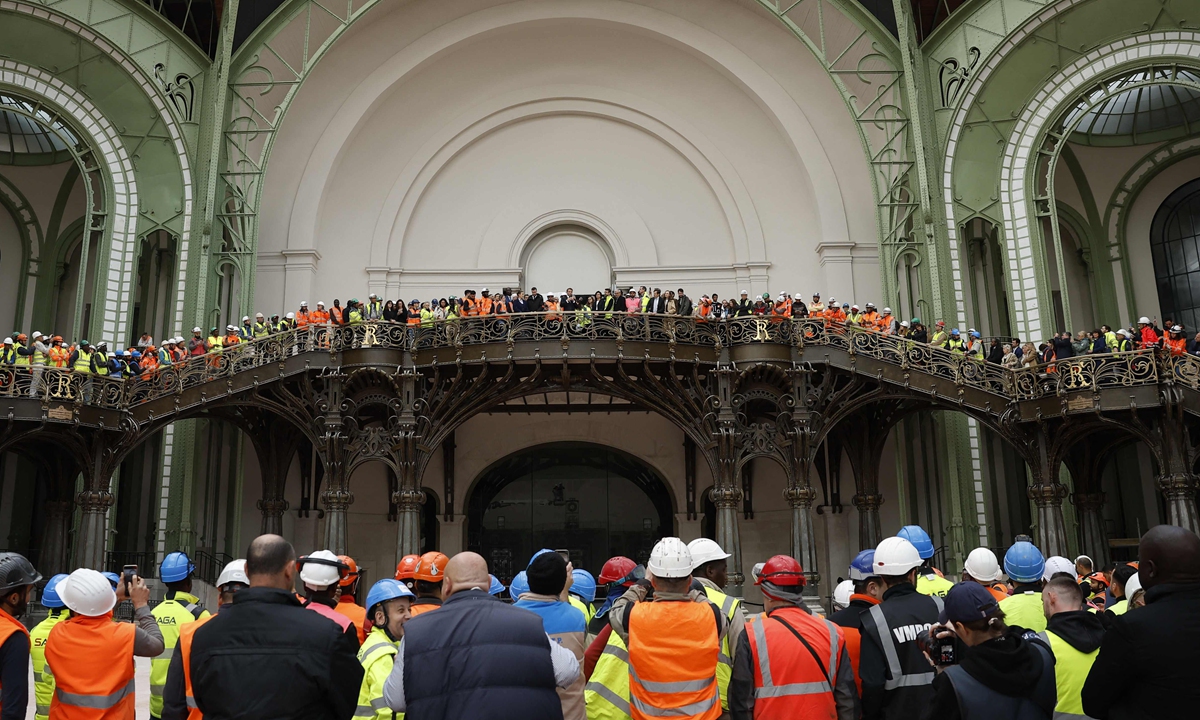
<point>136,355</point>
<point>496,587</point>
<point>861,567</point>
<point>1024,562</point>
<point>387,589</point>
<point>916,535</point>
<point>175,567</point>
<point>584,584</point>
<point>519,586</point>
<point>50,596</point>
<point>954,331</point>
<point>537,555</point>
<point>113,578</point>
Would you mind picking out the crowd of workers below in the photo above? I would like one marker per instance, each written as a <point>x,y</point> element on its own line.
<point>1028,639</point>
<point>145,357</point>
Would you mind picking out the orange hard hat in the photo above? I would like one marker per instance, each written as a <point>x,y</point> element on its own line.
<point>350,576</point>
<point>22,337</point>
<point>615,569</point>
<point>407,567</point>
<point>1098,577</point>
<point>783,571</point>
<point>432,567</point>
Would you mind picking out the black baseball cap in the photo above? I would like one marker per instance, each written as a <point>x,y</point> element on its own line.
<point>968,601</point>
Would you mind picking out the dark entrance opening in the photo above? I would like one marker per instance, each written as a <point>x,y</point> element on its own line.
<point>592,500</point>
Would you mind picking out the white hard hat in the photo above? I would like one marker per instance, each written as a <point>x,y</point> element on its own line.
<point>1143,320</point>
<point>887,311</point>
<point>896,556</point>
<point>832,300</point>
<point>704,550</point>
<point>797,294</point>
<point>235,571</point>
<point>904,323</point>
<point>87,592</point>
<point>303,303</point>
<point>982,565</point>
<point>196,329</point>
<point>1123,332</point>
<point>1058,564</point>
<point>321,303</point>
<point>257,315</point>
<point>36,334</point>
<point>245,318</point>
<point>291,316</point>
<point>670,559</point>
<point>319,576</point>
<point>842,593</point>
<point>1132,585</point>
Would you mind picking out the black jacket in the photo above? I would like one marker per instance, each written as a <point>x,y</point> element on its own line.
<point>1148,664</point>
<point>685,306</point>
<point>265,656</point>
<point>907,613</point>
<point>1080,629</point>
<point>1062,348</point>
<point>854,615</point>
<point>1008,668</point>
<point>477,657</point>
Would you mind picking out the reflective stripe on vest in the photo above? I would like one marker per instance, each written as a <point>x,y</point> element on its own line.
<point>1071,668</point>
<point>673,673</point>
<point>376,705</point>
<point>899,679</point>
<point>96,702</point>
<point>769,689</point>
<point>607,692</point>
<point>728,607</point>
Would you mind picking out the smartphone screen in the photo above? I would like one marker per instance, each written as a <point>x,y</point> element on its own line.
<point>127,574</point>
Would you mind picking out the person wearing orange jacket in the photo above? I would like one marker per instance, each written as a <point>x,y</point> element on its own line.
<point>552,308</point>
<point>790,664</point>
<point>58,354</point>
<point>178,700</point>
<point>782,310</point>
<point>484,306</point>
<point>303,316</point>
<point>406,570</point>
<point>347,589</point>
<point>428,574</point>
<point>1176,342</point>
<point>868,592</point>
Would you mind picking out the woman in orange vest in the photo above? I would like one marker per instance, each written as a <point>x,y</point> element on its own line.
<point>810,674</point>
<point>1176,342</point>
<point>84,688</point>
<point>552,308</point>
<point>704,310</point>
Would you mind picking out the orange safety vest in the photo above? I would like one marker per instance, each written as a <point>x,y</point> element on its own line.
<point>336,314</point>
<point>84,688</point>
<point>788,683</point>
<point>318,317</point>
<point>1177,346</point>
<point>673,651</point>
<point>870,320</point>
<point>10,625</point>
<point>705,313</point>
<point>484,306</point>
<point>781,311</point>
<point>552,311</point>
<point>884,323</point>
<point>500,308</point>
<point>419,607</point>
<point>59,356</point>
<point>303,319</point>
<point>187,632</point>
<point>357,614</point>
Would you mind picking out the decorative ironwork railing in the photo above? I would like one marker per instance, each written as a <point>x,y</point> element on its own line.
<point>1095,372</point>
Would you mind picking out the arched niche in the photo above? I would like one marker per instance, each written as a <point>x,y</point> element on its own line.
<point>567,256</point>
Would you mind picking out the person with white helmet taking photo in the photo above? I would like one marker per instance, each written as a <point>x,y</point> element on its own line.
<point>1025,566</point>
<point>321,572</point>
<point>790,664</point>
<point>674,635</point>
<point>179,703</point>
<point>982,567</point>
<point>711,570</point>
<point>388,605</point>
<point>85,688</point>
<point>896,677</point>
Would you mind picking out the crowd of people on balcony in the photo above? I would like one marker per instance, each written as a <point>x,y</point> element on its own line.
<point>144,357</point>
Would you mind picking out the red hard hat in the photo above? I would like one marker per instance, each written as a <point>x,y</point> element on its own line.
<point>781,570</point>
<point>615,569</point>
<point>432,567</point>
<point>350,575</point>
<point>407,567</point>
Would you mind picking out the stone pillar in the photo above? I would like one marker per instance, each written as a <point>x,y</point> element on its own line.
<point>336,500</point>
<point>409,502</point>
<point>729,537</point>
<point>1051,528</point>
<point>272,509</point>
<point>870,529</point>
<point>54,555</point>
<point>92,535</point>
<point>1093,540</point>
<point>804,539</point>
<point>1179,490</point>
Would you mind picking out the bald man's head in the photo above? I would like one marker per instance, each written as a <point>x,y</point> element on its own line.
<point>465,571</point>
<point>271,562</point>
<point>1168,554</point>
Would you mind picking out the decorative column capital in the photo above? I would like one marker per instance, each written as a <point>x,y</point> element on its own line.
<point>1088,501</point>
<point>727,497</point>
<point>867,501</point>
<point>97,501</point>
<point>1177,485</point>
<point>273,507</point>
<point>408,499</point>
<point>800,496</point>
<point>337,498</point>
<point>1048,495</point>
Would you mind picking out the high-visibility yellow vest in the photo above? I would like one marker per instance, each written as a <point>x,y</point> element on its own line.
<point>1120,607</point>
<point>356,316</point>
<point>7,354</point>
<point>956,346</point>
<point>1024,609</point>
<point>931,584</point>
<point>43,679</point>
<point>729,606</point>
<point>261,329</point>
<point>607,693</point>
<point>214,344</point>
<point>588,611</point>
<point>377,655</point>
<point>1071,668</point>
<point>19,358</point>
<point>170,615</point>
<point>101,363</point>
<point>83,362</point>
<point>426,318</point>
<point>39,357</point>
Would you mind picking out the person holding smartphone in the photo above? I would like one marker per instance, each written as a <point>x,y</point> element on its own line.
<point>998,669</point>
